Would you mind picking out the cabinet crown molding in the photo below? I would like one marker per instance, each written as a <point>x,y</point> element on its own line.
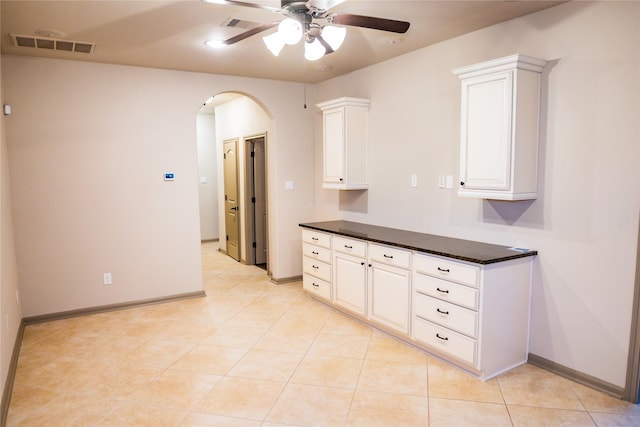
<point>345,100</point>
<point>511,62</point>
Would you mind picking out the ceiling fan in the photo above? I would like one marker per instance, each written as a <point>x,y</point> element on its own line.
<point>312,20</point>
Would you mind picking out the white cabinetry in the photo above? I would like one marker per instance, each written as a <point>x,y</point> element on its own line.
<point>351,274</point>
<point>389,287</point>
<point>499,128</point>
<point>316,263</point>
<point>345,135</point>
<point>477,316</point>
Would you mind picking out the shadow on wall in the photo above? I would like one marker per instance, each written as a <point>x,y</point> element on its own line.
<point>354,201</point>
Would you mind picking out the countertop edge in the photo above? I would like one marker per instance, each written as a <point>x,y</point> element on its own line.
<point>516,255</point>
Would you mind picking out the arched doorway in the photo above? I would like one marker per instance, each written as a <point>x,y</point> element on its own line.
<point>237,117</point>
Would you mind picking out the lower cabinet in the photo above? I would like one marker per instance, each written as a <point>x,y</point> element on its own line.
<point>389,291</point>
<point>350,283</point>
<point>474,316</point>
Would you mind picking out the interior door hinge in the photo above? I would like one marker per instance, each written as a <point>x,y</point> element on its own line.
<point>254,244</point>
<point>227,237</point>
<point>253,154</point>
<point>253,200</point>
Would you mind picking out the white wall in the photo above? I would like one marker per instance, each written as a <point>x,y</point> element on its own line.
<point>88,146</point>
<point>238,119</point>
<point>585,222</point>
<point>207,170</point>
<point>10,306</point>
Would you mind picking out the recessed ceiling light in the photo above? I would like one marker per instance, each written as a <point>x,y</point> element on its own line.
<point>216,44</point>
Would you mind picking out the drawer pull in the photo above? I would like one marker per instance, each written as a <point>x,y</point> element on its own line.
<point>314,238</point>
<point>387,256</point>
<point>444,291</point>
<point>315,285</point>
<point>441,312</point>
<point>442,338</point>
<point>348,247</point>
<point>315,266</point>
<point>444,270</point>
<point>315,253</point>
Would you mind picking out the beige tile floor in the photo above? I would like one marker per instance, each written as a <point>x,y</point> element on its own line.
<point>257,354</point>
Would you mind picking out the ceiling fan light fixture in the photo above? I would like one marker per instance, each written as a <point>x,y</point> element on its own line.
<point>290,31</point>
<point>334,36</point>
<point>313,50</point>
<point>216,44</point>
<point>274,43</point>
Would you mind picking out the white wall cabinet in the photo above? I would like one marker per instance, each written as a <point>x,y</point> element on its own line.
<point>345,141</point>
<point>499,128</point>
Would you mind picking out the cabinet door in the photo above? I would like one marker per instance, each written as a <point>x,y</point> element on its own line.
<point>485,156</point>
<point>334,156</point>
<point>389,296</point>
<point>350,283</point>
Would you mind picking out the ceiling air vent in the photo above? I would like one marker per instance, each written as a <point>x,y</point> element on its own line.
<point>52,43</point>
<point>239,23</point>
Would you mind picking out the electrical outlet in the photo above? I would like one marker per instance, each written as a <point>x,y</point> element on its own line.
<point>107,279</point>
<point>441,181</point>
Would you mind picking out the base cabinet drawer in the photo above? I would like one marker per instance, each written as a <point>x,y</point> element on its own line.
<point>316,268</point>
<point>446,269</point>
<point>448,315</point>
<point>316,286</point>
<point>445,340</point>
<point>317,252</point>
<point>447,291</point>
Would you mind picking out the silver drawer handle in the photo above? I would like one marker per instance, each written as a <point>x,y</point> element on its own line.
<point>444,270</point>
<point>442,338</point>
<point>387,256</point>
<point>444,291</point>
<point>441,312</point>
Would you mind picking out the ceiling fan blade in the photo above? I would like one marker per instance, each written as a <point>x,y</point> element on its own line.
<point>251,32</point>
<point>245,4</point>
<point>370,22</point>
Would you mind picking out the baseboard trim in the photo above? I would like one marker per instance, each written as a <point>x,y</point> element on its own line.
<point>11,375</point>
<point>111,307</point>
<point>577,376</point>
<point>285,279</point>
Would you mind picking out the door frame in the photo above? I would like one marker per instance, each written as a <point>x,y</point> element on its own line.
<point>249,211</point>
<point>632,384</point>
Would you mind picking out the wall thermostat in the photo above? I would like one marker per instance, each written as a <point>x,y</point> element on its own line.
<point>169,176</point>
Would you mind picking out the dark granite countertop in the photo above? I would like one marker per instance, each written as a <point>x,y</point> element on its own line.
<point>465,250</point>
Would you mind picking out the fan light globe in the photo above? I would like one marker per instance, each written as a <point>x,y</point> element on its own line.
<point>290,31</point>
<point>334,36</point>
<point>274,43</point>
<point>313,50</point>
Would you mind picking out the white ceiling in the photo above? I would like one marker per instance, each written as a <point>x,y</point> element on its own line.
<point>171,34</point>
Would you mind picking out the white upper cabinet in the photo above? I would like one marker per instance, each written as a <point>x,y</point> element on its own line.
<point>345,136</point>
<point>499,128</point>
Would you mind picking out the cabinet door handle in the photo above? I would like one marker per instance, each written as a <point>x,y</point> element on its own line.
<point>387,256</point>
<point>315,285</point>
<point>362,263</point>
<point>315,253</point>
<point>461,182</point>
<point>348,247</point>
<point>444,291</point>
<point>441,312</point>
<point>442,338</point>
<point>444,270</point>
<point>315,266</point>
